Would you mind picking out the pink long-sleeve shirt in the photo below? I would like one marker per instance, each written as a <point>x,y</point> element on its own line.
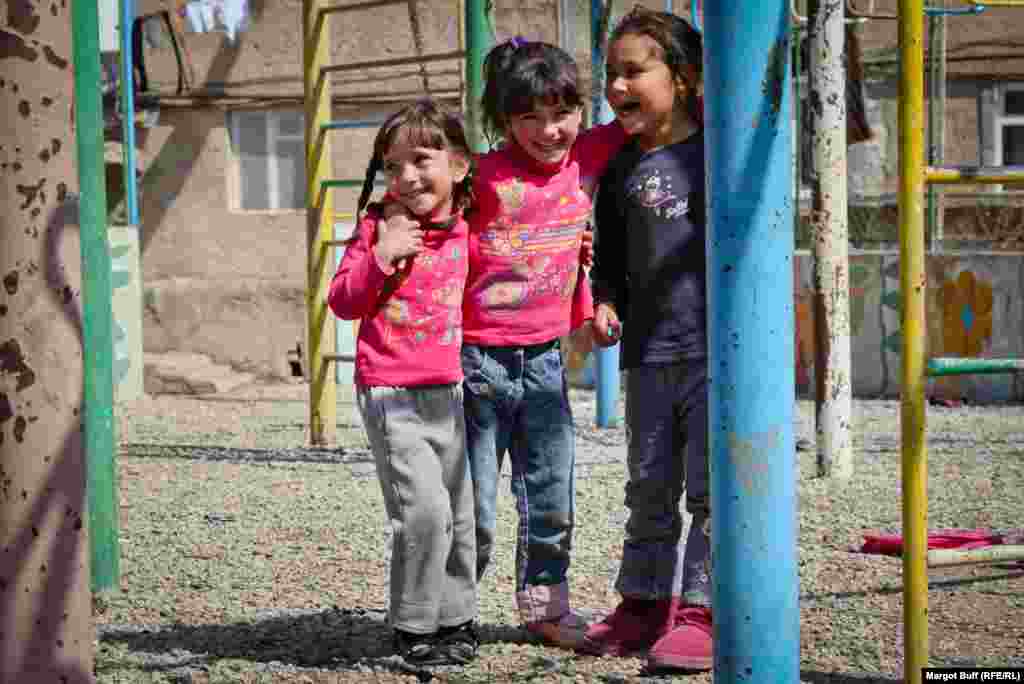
<point>412,336</point>
<point>524,242</point>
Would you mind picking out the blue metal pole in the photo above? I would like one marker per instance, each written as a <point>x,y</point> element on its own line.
<point>749,144</point>
<point>128,111</point>
<point>606,358</point>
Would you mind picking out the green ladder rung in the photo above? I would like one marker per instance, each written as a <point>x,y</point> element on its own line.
<point>341,183</point>
<point>346,183</point>
<point>964,366</point>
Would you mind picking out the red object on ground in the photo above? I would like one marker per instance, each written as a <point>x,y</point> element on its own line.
<point>892,544</point>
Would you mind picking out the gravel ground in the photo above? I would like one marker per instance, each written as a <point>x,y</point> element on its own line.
<point>247,558</point>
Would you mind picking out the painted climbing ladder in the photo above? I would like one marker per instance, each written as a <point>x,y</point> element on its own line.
<point>320,215</point>
<point>915,176</point>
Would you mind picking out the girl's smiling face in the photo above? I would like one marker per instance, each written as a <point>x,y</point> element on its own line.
<point>642,91</point>
<point>422,178</point>
<point>548,131</point>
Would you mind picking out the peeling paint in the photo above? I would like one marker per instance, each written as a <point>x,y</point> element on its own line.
<point>773,85</point>
<point>13,45</point>
<point>11,282</point>
<point>751,458</point>
<point>12,361</point>
<point>22,17</point>
<point>19,429</point>
<point>54,59</point>
<point>6,412</point>
<point>31,192</point>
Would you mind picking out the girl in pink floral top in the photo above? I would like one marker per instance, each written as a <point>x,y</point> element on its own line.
<point>404,280</point>
<point>525,291</point>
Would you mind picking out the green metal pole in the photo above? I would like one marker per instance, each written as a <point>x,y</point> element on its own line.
<point>936,124</point>
<point>479,38</point>
<point>97,318</point>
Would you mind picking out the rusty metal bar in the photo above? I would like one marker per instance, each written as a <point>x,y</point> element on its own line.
<point>319,225</point>
<point>338,9</point>
<point>913,447</point>
<point>965,175</point>
<point>940,558</point>
<point>397,61</point>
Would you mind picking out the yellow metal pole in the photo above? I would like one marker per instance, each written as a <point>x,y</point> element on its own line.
<point>912,286</point>
<point>319,225</point>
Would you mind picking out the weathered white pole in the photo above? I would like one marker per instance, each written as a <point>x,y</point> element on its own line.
<point>827,101</point>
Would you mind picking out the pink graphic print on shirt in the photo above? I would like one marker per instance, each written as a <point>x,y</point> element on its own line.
<point>537,234</point>
<point>432,309</point>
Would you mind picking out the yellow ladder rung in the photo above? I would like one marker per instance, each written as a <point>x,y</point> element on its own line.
<point>337,9</point>
<point>961,175</point>
<point>938,558</point>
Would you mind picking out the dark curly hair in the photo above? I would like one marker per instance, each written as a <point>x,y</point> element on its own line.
<point>681,47</point>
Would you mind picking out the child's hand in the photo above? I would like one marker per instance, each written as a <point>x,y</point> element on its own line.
<point>398,237</point>
<point>607,326</point>
<point>587,248</point>
<point>583,338</point>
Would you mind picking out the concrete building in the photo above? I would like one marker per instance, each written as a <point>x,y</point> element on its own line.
<point>220,161</point>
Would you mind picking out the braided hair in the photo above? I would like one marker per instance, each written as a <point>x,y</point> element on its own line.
<point>424,123</point>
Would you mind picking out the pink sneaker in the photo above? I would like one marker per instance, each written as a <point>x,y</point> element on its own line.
<point>688,646</point>
<point>634,626</point>
<point>566,632</point>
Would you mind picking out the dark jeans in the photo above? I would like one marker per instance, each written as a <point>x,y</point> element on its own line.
<point>667,423</point>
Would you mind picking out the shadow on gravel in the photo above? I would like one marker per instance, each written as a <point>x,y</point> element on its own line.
<point>814,677</point>
<point>202,452</point>
<point>333,639</point>
<point>933,585</point>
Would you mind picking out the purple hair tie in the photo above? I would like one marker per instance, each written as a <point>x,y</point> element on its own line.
<point>518,42</point>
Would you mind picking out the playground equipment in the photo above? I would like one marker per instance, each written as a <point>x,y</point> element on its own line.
<point>320,219</point>
<point>914,177</point>
<point>755,585</point>
<point>97,317</point>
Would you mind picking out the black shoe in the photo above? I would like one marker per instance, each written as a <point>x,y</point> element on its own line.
<point>421,650</point>
<point>460,642</point>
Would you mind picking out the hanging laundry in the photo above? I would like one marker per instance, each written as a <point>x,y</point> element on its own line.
<point>231,17</point>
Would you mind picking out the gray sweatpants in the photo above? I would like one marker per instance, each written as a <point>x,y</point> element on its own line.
<point>667,424</point>
<point>418,438</point>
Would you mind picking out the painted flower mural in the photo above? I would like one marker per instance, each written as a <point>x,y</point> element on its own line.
<point>966,315</point>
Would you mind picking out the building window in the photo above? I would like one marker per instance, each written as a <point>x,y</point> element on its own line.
<point>1009,126</point>
<point>269,150</point>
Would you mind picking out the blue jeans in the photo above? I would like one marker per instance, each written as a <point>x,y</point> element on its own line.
<point>517,402</point>
<point>667,423</point>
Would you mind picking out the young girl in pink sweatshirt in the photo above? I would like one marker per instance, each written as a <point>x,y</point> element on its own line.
<point>525,291</point>
<point>404,281</point>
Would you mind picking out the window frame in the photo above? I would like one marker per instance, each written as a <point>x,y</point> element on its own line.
<point>1001,119</point>
<point>272,128</point>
